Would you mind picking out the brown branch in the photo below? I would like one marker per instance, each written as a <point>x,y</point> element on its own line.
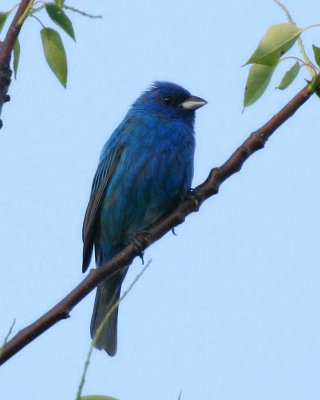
<point>5,53</point>
<point>208,188</point>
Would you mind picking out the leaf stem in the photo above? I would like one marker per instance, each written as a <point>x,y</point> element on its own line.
<point>33,16</point>
<point>35,10</point>
<point>25,14</point>
<point>81,12</point>
<point>290,19</point>
<point>307,60</point>
<point>311,26</point>
<point>292,58</point>
<point>314,68</point>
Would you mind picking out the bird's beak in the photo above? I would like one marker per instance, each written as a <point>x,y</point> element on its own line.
<point>192,103</point>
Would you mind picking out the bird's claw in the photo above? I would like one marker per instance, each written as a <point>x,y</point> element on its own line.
<point>195,197</point>
<point>138,240</point>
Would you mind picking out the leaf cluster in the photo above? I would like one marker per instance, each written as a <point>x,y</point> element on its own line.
<point>272,47</point>
<point>52,44</point>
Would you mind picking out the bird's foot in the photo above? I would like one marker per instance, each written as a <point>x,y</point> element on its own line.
<point>195,197</point>
<point>138,240</point>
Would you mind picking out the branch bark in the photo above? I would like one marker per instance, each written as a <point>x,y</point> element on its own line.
<point>5,53</point>
<point>210,187</point>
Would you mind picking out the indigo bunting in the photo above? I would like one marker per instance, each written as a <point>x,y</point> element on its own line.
<point>145,167</point>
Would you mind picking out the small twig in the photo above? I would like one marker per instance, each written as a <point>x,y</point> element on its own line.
<point>7,337</point>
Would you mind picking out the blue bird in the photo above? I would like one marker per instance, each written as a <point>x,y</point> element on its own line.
<point>145,168</point>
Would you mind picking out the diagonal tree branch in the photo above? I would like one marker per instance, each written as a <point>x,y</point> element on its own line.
<point>217,176</point>
<point>6,50</point>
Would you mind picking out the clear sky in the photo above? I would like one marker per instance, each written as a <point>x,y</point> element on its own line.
<point>229,309</point>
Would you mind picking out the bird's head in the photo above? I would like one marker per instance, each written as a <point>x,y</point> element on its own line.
<point>169,101</point>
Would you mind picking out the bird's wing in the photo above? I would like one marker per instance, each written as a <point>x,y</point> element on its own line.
<point>101,180</point>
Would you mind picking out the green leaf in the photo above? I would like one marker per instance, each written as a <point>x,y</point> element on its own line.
<point>3,18</point>
<point>289,76</point>
<point>316,51</point>
<point>59,17</point>
<point>54,52</point>
<point>97,397</point>
<point>277,41</point>
<point>16,57</point>
<point>257,82</point>
<point>59,3</point>
<point>315,84</point>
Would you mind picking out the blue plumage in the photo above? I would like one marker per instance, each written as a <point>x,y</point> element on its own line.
<point>145,167</point>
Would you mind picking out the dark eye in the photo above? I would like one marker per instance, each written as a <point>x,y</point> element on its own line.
<point>167,101</point>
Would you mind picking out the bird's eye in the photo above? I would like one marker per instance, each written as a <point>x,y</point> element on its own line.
<point>167,101</point>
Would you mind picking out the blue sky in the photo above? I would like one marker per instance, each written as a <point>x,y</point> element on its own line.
<point>228,309</point>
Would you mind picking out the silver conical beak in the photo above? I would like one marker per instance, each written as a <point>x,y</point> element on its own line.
<point>192,103</point>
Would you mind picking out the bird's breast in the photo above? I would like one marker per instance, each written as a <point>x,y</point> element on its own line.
<point>154,172</point>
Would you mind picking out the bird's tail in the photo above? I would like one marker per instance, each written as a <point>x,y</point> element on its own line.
<point>108,293</point>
